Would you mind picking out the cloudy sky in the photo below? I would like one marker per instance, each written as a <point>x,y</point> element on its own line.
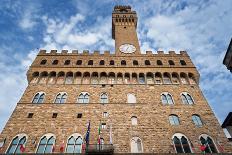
<point>201,27</point>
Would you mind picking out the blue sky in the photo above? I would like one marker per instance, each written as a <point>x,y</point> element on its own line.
<point>202,28</point>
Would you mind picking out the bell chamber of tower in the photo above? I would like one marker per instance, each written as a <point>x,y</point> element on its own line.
<point>126,102</point>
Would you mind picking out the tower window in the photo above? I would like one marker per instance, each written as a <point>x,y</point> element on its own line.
<point>16,143</point>
<point>46,144</point>
<point>55,62</point>
<point>159,63</point>
<point>182,62</point>
<point>166,98</point>
<point>174,120</point>
<point>43,62</point>
<point>147,62</point>
<point>111,62</point>
<point>39,98</point>
<point>54,115</point>
<point>30,115</point>
<point>134,120</point>
<point>186,98</point>
<point>103,125</point>
<point>79,115</point>
<point>181,143</point>
<point>135,62</point>
<point>83,98</point>
<point>170,62</point>
<point>104,98</point>
<point>67,62</point>
<point>61,98</point>
<point>123,62</point>
<point>102,62</point>
<point>197,120</point>
<point>208,142</point>
<point>105,114</point>
<point>90,62</point>
<point>79,62</point>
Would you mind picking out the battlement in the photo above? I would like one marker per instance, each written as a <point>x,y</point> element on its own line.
<point>108,53</point>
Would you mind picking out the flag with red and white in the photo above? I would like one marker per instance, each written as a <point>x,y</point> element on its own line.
<point>22,148</point>
<point>62,147</point>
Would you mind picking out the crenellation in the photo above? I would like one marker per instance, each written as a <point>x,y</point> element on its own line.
<point>149,53</point>
<point>52,52</point>
<point>172,52</point>
<point>42,52</point>
<point>96,52</point>
<point>85,52</point>
<point>160,52</point>
<point>184,53</point>
<point>106,53</point>
<point>64,51</point>
<point>74,51</point>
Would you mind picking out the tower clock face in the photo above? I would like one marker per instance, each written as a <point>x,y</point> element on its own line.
<point>127,48</point>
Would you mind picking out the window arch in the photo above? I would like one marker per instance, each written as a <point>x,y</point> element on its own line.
<point>67,62</point>
<point>159,63</point>
<point>131,98</point>
<point>166,98</point>
<point>158,78</point>
<point>46,144</point>
<point>141,78</point>
<point>192,79</point>
<point>94,78</point>
<point>111,62</point>
<point>74,143</point>
<point>183,78</point>
<point>55,62</point>
<point>79,62</point>
<point>43,77</point>
<point>134,120</point>
<point>16,143</point>
<point>123,62</point>
<point>186,98</point>
<point>111,79</point>
<point>83,97</point>
<point>61,97</point>
<point>183,63</point>
<point>167,78</point>
<point>175,78</point>
<point>174,119</point>
<point>197,120</point>
<point>150,78</point>
<point>147,62</point>
<point>102,62</point>
<point>207,141</point>
<point>171,62</point>
<point>60,78</point>
<point>39,97</point>
<point>69,78</point>
<point>181,143</point>
<point>134,78</point>
<point>104,98</point>
<point>35,77</point>
<point>43,62</point>
<point>136,145</point>
<point>127,78</point>
<point>90,62</point>
<point>135,63</point>
<point>52,78</point>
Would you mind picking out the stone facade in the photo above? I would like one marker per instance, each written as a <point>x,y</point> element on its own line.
<point>145,81</point>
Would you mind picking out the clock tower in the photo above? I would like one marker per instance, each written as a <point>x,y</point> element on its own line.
<point>124,24</point>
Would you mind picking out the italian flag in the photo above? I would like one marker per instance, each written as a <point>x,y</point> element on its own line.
<point>99,134</point>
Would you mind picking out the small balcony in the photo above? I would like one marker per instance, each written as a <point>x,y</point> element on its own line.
<point>100,149</point>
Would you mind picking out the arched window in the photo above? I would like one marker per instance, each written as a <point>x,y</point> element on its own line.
<point>208,142</point>
<point>61,97</point>
<point>150,78</point>
<point>43,77</point>
<point>141,78</point>
<point>136,145</point>
<point>52,78</point>
<point>102,62</point>
<point>123,62</point>
<point>174,119</point>
<point>69,78</point>
<point>127,78</point>
<point>86,78</point>
<point>78,78</point>
<point>166,98</point>
<point>181,143</point>
<point>103,78</point>
<point>79,62</point>
<point>147,62</point>
<point>170,62</point>
<point>134,120</point>
<point>94,78</point>
<point>175,79</point>
<point>197,120</point>
<point>134,78</point>
<point>43,62</point>
<point>46,144</point>
<point>55,62</point>
<point>131,98</point>
<point>135,63</point>
<point>158,78</point>
<point>159,63</point>
<point>35,77</point>
<point>90,62</point>
<point>119,78</point>
<point>166,78</point>
<point>39,97</point>
<point>67,62</point>
<point>183,78</point>
<point>104,98</point>
<point>191,78</point>
<point>74,143</point>
<point>183,63</point>
<point>60,78</point>
<point>16,143</point>
<point>83,97</point>
<point>186,98</point>
<point>111,79</point>
<point>111,62</point>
